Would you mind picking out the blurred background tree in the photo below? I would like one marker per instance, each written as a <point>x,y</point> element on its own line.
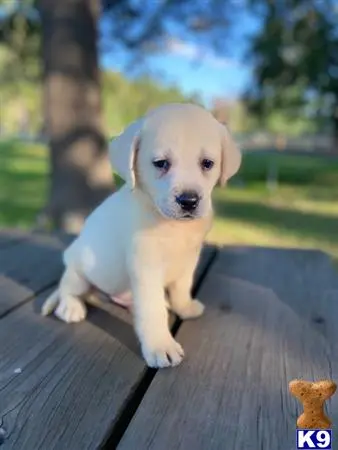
<point>295,57</point>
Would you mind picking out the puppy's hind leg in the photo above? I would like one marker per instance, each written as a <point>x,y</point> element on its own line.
<point>71,308</point>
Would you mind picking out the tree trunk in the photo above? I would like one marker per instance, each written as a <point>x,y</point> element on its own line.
<point>81,175</point>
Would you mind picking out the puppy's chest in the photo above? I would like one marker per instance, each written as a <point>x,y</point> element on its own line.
<point>178,251</point>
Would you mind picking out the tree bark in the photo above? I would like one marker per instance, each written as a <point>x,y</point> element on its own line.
<point>81,175</point>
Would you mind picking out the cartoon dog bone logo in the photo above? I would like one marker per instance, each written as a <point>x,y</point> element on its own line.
<point>312,395</point>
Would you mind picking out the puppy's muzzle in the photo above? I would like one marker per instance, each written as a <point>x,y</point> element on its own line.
<point>188,201</point>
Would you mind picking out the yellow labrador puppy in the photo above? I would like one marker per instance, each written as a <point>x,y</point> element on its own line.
<point>146,238</point>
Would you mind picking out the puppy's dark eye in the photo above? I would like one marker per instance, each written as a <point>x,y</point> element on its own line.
<point>162,164</point>
<point>207,164</point>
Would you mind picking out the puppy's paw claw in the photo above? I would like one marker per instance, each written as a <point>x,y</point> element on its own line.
<point>72,310</point>
<point>193,310</point>
<point>164,353</point>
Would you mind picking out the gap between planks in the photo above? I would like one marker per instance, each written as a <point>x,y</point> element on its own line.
<point>132,403</point>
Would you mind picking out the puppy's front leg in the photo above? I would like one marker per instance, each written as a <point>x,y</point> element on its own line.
<point>180,299</point>
<point>159,348</point>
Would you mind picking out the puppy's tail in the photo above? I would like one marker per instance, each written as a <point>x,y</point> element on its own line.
<point>50,303</point>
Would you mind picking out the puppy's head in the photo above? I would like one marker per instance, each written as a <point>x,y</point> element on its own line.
<point>176,154</point>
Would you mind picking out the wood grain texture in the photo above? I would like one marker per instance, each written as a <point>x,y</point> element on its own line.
<point>271,316</point>
<point>29,266</point>
<point>64,386</point>
<point>61,386</point>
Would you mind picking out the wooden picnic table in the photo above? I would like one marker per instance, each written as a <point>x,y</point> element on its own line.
<point>271,316</point>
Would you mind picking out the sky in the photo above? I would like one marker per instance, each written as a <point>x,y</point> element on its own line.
<point>211,75</point>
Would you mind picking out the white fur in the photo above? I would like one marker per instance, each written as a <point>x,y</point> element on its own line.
<point>138,239</point>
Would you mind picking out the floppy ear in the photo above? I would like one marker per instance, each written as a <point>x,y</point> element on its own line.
<point>231,156</point>
<point>122,152</point>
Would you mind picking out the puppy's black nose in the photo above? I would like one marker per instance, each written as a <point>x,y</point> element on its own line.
<point>188,200</point>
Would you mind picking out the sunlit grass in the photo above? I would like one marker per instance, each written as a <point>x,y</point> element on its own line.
<point>23,183</point>
<point>287,217</point>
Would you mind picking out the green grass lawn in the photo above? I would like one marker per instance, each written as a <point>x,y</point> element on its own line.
<point>301,212</point>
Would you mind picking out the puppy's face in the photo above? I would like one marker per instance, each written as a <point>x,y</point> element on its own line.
<point>179,168</point>
<point>176,155</point>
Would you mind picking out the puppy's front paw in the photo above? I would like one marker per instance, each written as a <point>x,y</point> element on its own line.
<point>163,352</point>
<point>191,310</point>
<point>71,310</point>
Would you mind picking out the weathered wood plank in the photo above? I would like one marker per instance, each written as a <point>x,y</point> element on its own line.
<point>271,316</point>
<point>73,380</point>
<point>33,263</point>
<point>64,386</point>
